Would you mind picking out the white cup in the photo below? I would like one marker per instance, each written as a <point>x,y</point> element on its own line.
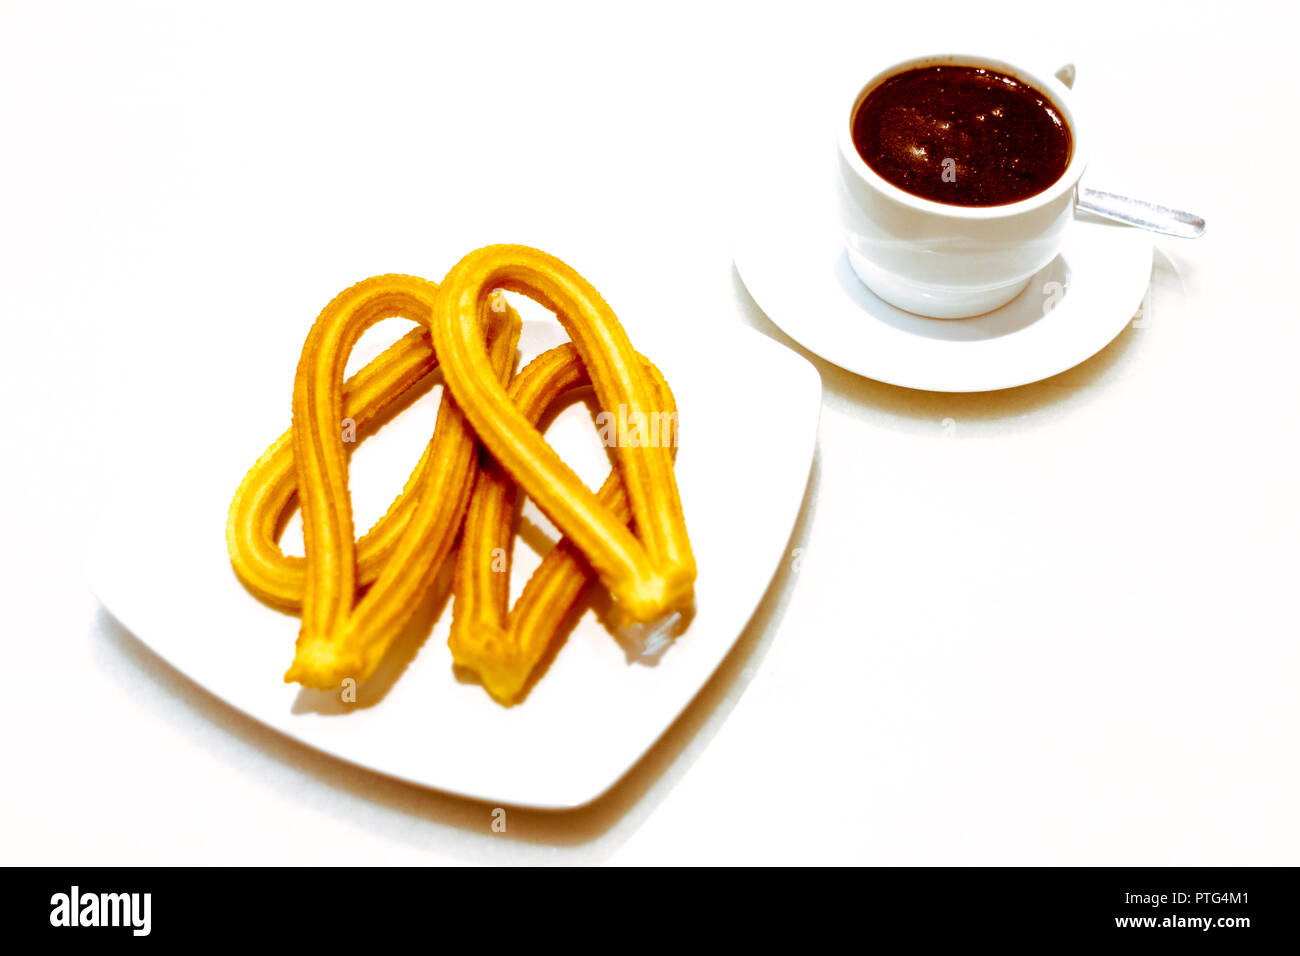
<point>947,261</point>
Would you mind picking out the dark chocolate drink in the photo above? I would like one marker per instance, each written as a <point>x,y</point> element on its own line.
<point>963,135</point>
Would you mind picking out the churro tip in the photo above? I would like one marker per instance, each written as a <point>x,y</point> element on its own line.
<point>649,601</point>
<point>322,668</point>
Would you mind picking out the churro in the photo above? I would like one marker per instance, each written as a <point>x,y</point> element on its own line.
<point>501,645</point>
<point>341,636</point>
<point>650,572</point>
<point>355,595</point>
<point>268,493</point>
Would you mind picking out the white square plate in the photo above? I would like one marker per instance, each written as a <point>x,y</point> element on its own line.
<point>748,421</point>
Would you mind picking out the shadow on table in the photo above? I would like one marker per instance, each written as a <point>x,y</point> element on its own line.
<point>632,799</point>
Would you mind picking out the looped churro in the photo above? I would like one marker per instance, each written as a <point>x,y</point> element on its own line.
<point>648,573</point>
<point>501,645</point>
<point>355,595</point>
<point>268,493</point>
<point>340,636</point>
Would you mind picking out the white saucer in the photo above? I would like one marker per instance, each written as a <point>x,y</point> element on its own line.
<point>795,268</point>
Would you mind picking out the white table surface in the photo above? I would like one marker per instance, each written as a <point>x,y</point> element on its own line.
<point>1050,625</point>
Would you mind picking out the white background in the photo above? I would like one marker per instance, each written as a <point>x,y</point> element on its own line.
<point>1059,629</point>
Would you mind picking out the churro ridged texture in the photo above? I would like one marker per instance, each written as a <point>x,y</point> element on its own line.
<point>343,637</point>
<point>649,573</point>
<point>269,492</point>
<point>355,595</point>
<point>503,645</point>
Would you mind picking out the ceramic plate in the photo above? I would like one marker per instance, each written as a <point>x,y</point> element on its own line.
<point>158,563</point>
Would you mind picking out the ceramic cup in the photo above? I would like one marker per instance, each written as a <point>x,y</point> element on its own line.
<point>946,261</point>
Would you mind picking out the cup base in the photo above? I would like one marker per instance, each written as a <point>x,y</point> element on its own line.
<point>934,302</point>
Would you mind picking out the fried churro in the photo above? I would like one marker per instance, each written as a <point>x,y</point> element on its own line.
<point>650,572</point>
<point>268,493</point>
<point>503,645</point>
<point>355,595</point>
<point>342,636</point>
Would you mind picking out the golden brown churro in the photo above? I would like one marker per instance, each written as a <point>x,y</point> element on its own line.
<point>502,645</point>
<point>342,637</point>
<point>354,596</point>
<point>649,573</point>
<point>268,493</point>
